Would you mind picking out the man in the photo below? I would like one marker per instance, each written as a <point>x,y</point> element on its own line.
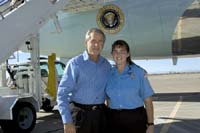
<point>84,79</point>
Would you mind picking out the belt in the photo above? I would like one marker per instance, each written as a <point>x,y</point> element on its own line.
<point>127,110</point>
<point>89,107</point>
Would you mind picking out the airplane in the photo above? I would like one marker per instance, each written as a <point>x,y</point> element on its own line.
<point>154,29</point>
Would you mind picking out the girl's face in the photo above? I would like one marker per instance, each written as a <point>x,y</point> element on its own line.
<point>120,55</point>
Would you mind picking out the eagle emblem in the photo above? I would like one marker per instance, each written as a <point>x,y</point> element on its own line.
<point>110,19</point>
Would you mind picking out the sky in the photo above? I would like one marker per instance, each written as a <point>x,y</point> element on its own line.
<point>166,65</point>
<point>151,66</point>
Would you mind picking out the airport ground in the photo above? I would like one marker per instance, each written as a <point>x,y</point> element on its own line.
<point>176,104</point>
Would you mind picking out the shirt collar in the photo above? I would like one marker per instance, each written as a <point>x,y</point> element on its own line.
<point>126,69</point>
<point>86,57</point>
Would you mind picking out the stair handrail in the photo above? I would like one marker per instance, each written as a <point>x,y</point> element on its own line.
<point>10,8</point>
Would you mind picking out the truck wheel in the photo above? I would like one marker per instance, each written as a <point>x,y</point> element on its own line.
<point>46,105</point>
<point>24,119</point>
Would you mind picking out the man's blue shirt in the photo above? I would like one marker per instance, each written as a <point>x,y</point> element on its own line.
<point>85,81</point>
<point>127,90</point>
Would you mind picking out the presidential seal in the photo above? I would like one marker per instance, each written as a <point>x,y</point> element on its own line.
<point>110,19</point>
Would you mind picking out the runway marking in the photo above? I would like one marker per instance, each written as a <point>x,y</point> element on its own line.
<point>166,126</point>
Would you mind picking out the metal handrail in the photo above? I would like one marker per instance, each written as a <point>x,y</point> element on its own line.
<point>3,2</point>
<point>10,8</point>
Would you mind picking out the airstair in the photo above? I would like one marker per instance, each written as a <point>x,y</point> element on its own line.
<point>17,25</point>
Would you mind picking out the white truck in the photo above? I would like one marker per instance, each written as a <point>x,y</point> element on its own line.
<point>21,99</point>
<point>20,76</point>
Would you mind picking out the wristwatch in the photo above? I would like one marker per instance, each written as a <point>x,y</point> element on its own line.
<point>150,124</point>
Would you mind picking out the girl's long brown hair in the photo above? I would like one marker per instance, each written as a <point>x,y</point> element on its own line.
<point>123,43</point>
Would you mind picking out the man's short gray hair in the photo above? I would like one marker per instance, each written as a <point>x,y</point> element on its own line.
<point>96,30</point>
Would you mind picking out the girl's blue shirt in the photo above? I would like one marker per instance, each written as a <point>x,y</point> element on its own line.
<point>128,90</point>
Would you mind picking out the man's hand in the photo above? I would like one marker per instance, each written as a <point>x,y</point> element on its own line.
<point>69,128</point>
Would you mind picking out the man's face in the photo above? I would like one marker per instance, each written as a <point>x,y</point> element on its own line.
<point>95,44</point>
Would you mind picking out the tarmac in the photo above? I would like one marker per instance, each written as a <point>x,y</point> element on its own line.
<point>176,102</point>
<point>176,106</point>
